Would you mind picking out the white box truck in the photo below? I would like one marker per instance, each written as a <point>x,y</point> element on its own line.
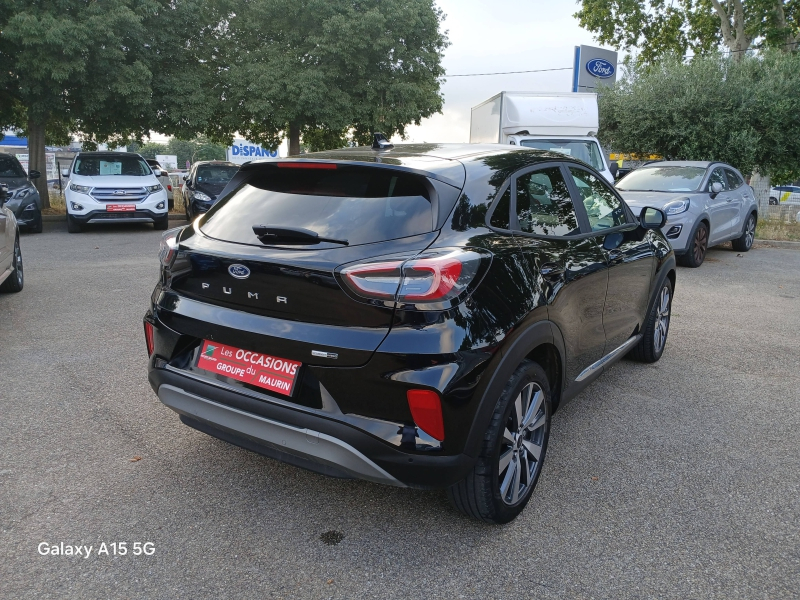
<point>559,122</point>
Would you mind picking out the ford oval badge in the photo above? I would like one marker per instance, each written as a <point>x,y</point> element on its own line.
<point>598,67</point>
<point>239,271</point>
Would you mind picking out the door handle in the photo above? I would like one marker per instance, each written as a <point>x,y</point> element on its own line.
<point>552,271</point>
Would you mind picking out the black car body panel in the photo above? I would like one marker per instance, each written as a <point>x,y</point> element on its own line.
<point>517,307</point>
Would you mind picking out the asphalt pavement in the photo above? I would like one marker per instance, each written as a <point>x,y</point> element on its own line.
<point>673,480</point>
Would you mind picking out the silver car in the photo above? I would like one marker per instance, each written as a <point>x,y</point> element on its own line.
<point>11,277</point>
<point>706,203</point>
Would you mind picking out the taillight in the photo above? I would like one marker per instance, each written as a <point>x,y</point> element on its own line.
<point>426,410</point>
<point>430,278</point>
<point>169,246</point>
<point>148,337</point>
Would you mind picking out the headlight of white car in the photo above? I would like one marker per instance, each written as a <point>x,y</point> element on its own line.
<point>202,197</point>
<point>81,189</point>
<point>154,188</point>
<point>676,207</point>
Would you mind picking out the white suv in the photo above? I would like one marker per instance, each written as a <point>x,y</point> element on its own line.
<point>115,187</point>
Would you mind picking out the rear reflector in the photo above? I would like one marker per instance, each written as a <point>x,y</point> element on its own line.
<point>148,337</point>
<point>306,165</point>
<point>426,409</point>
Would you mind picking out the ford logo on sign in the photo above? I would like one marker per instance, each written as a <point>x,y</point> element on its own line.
<point>600,68</point>
<point>239,271</point>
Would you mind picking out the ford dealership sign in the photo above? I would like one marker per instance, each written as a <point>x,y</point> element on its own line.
<point>598,67</point>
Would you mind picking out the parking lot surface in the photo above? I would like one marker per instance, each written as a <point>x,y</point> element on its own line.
<point>673,480</point>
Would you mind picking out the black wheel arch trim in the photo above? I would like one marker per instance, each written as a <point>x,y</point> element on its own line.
<point>508,358</point>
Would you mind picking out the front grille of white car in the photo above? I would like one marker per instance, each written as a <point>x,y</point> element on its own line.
<point>119,194</point>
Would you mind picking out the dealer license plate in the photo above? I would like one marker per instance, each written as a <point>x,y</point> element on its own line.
<point>261,370</point>
<point>120,207</point>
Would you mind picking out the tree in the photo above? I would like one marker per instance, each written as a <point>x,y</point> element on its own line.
<point>327,66</point>
<point>745,113</point>
<point>199,148</point>
<point>656,28</point>
<point>102,69</point>
<point>150,149</point>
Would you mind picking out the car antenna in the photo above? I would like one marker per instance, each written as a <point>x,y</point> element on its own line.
<point>379,142</point>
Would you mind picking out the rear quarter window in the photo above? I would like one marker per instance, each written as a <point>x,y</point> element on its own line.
<point>357,204</point>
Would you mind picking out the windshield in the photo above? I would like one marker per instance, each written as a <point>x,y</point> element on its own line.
<point>586,150</point>
<point>360,205</point>
<point>9,167</point>
<point>111,165</point>
<point>662,179</point>
<point>212,174</point>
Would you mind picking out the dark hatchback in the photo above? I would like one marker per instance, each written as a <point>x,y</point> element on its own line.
<point>410,316</point>
<point>23,198</point>
<point>203,185</point>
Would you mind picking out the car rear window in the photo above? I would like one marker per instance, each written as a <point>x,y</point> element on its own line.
<point>357,204</point>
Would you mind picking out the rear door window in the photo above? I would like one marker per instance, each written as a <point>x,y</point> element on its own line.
<point>357,204</point>
<point>544,206</point>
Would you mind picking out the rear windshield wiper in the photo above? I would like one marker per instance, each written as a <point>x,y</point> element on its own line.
<point>270,235</point>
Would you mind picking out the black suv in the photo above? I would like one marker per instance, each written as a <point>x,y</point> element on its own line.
<point>411,316</point>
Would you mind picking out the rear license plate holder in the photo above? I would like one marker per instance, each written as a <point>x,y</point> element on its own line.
<point>271,373</point>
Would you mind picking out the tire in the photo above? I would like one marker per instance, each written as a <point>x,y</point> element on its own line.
<point>654,335</point>
<point>773,201</point>
<point>16,279</point>
<point>488,491</point>
<point>73,226</point>
<point>698,246</point>
<point>161,224</point>
<point>38,227</point>
<point>745,241</point>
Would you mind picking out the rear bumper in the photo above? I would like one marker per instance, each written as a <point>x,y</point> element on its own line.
<point>310,449</point>
<point>318,442</point>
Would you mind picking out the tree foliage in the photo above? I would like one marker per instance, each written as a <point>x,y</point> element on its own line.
<point>659,27</point>
<point>322,67</point>
<point>745,113</point>
<point>103,70</point>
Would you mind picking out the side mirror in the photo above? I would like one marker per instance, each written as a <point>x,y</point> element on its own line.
<point>715,188</point>
<point>185,178</point>
<point>65,172</point>
<point>652,218</point>
<point>34,174</point>
<point>614,168</point>
<point>157,172</point>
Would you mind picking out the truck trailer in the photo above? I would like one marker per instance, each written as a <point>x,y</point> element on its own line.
<point>559,122</point>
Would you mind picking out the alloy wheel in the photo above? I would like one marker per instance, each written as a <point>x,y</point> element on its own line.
<point>662,320</point>
<point>700,244</point>
<point>18,262</point>
<point>522,445</point>
<point>750,231</point>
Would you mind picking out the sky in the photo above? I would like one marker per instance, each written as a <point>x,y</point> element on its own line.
<point>488,36</point>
